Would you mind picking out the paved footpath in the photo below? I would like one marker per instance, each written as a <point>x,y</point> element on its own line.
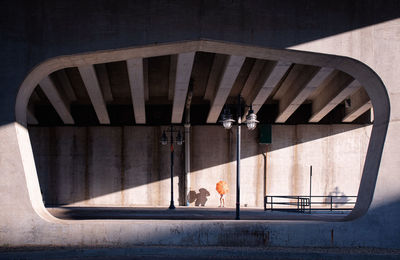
<point>180,213</point>
<point>177,253</point>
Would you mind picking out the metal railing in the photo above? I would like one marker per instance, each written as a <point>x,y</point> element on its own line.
<point>308,204</point>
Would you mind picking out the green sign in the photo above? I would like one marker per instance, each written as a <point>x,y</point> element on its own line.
<point>265,134</point>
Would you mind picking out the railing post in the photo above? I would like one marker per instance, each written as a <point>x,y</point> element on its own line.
<point>331,203</point>
<point>265,202</point>
<point>272,203</point>
<point>301,205</point>
<point>310,185</point>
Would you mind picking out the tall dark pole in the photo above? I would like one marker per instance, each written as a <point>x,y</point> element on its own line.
<point>171,205</point>
<point>238,161</point>
<point>310,185</point>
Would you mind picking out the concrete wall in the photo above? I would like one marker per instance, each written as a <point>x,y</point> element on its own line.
<point>126,166</point>
<point>335,152</point>
<point>119,166</point>
<point>366,32</point>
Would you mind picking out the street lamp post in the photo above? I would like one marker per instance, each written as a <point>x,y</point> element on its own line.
<point>238,150</point>
<point>251,122</point>
<point>165,141</point>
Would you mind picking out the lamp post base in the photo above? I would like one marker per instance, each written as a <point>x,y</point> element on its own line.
<point>237,212</point>
<point>171,205</point>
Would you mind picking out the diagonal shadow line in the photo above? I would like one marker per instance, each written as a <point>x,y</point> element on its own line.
<point>374,13</point>
<point>66,157</point>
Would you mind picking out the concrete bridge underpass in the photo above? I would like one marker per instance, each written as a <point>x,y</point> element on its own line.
<point>87,93</point>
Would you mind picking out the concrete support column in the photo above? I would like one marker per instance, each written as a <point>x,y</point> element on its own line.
<point>187,162</point>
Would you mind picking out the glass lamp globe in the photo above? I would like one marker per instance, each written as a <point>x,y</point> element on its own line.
<point>227,123</point>
<point>226,119</point>
<point>179,139</point>
<point>251,120</point>
<point>251,125</point>
<point>164,139</point>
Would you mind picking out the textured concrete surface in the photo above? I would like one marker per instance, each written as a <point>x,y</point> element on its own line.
<point>199,253</point>
<point>105,166</point>
<point>186,213</point>
<point>126,166</point>
<point>364,33</point>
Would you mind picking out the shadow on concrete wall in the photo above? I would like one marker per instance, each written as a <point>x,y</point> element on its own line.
<point>220,146</point>
<point>198,198</point>
<point>76,164</point>
<point>339,198</point>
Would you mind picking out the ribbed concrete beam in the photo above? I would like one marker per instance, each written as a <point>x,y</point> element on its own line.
<point>250,83</point>
<point>213,78</point>
<point>31,118</point>
<point>66,85</point>
<point>340,87</point>
<point>359,104</point>
<point>104,82</point>
<point>34,97</point>
<point>294,74</point>
<point>55,98</point>
<point>270,82</point>
<point>172,76</point>
<point>136,81</point>
<point>184,67</point>
<point>146,78</point>
<point>91,82</point>
<point>229,75</point>
<point>305,84</point>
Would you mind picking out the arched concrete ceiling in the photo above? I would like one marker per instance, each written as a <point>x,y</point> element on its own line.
<point>150,85</point>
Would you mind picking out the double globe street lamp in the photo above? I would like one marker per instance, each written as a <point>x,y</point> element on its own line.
<point>165,141</point>
<point>251,122</point>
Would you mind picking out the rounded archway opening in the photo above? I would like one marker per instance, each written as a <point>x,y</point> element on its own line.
<point>317,107</point>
